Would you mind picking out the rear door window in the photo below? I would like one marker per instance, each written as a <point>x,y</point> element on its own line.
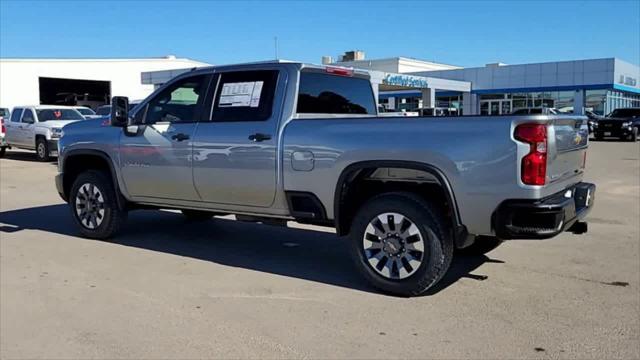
<point>321,93</point>
<point>245,96</point>
<point>15,115</point>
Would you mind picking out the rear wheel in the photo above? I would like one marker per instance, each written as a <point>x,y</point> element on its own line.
<point>196,215</point>
<point>400,243</point>
<point>94,206</point>
<point>42,149</point>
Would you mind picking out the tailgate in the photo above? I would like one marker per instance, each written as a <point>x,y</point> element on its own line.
<point>568,140</point>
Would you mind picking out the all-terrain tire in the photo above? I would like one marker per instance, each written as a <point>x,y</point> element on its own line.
<point>107,224</point>
<point>437,242</point>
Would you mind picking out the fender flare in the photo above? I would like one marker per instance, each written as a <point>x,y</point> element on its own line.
<point>120,200</point>
<point>461,235</point>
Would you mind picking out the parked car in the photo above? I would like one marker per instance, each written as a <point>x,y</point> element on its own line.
<point>4,114</point>
<point>593,120</point>
<point>39,128</point>
<point>622,123</point>
<point>103,110</point>
<point>384,112</point>
<point>404,191</point>
<point>86,112</point>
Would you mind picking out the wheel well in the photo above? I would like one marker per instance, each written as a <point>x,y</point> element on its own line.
<point>360,184</point>
<point>40,136</point>
<point>74,165</point>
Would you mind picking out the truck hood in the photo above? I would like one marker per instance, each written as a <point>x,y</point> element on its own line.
<point>50,124</point>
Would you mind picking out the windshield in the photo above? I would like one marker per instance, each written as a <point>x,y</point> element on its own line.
<point>85,111</point>
<point>4,112</point>
<point>629,112</point>
<point>104,110</point>
<point>58,114</point>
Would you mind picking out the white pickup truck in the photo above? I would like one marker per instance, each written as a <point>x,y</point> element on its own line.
<point>39,128</point>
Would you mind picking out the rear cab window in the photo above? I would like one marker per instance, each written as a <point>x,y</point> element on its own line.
<point>324,93</point>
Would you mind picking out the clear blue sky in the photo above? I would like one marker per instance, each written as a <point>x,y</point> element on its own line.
<point>465,33</point>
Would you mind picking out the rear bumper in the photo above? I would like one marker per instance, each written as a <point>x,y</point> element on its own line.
<point>614,132</point>
<point>545,218</point>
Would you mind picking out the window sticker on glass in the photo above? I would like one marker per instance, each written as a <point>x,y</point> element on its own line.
<point>241,94</point>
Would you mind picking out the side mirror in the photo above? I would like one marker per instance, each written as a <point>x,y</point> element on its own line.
<point>120,111</point>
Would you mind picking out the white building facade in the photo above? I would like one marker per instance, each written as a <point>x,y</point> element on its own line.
<point>83,81</point>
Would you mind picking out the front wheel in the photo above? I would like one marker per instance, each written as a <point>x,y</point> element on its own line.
<point>401,244</point>
<point>634,135</point>
<point>94,206</point>
<point>2,151</point>
<point>42,150</point>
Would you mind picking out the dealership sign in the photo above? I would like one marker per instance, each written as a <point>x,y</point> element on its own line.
<point>627,80</point>
<point>405,80</point>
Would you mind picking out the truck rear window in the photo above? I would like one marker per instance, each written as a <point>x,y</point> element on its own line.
<point>331,94</point>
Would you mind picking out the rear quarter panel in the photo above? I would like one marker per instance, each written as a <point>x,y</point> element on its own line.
<point>477,155</point>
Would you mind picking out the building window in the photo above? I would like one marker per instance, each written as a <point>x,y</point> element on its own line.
<point>603,102</point>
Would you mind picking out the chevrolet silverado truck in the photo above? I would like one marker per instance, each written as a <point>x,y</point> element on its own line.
<point>39,128</point>
<point>278,141</point>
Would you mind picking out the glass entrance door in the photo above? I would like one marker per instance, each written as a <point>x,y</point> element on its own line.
<point>495,107</point>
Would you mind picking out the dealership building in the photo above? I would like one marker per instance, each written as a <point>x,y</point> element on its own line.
<point>406,84</point>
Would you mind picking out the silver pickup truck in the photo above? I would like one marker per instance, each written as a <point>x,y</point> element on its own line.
<point>277,141</point>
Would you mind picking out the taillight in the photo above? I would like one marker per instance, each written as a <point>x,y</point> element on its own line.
<point>2,128</point>
<point>534,164</point>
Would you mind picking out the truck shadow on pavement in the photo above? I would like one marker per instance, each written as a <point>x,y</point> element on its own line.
<point>305,254</point>
<point>27,156</point>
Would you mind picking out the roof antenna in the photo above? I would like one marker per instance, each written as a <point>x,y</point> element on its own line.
<point>275,44</point>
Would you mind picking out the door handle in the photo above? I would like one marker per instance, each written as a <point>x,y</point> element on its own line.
<point>258,137</point>
<point>180,137</point>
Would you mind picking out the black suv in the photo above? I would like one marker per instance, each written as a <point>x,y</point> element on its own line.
<point>621,123</point>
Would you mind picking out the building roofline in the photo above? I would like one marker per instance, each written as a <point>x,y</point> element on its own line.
<point>399,58</point>
<point>98,59</point>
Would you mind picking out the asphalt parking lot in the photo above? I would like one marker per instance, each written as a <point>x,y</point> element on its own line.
<point>166,288</point>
